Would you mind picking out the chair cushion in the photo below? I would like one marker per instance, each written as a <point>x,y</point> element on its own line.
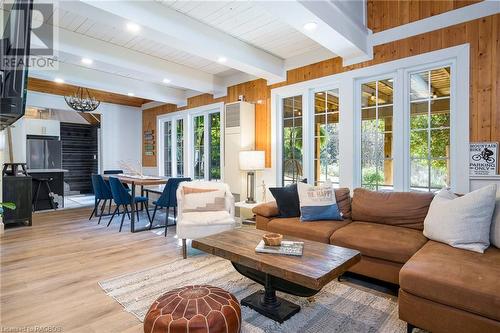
<point>319,231</point>
<point>141,199</point>
<point>405,209</point>
<point>207,218</point>
<point>203,200</point>
<point>380,241</point>
<point>459,278</point>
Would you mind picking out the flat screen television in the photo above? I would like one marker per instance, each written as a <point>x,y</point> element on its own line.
<point>14,56</point>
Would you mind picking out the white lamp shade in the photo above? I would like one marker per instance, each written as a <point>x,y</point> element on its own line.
<point>251,160</point>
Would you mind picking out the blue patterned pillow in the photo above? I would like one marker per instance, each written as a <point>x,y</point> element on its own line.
<point>318,203</point>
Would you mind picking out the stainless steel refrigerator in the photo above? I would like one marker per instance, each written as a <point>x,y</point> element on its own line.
<point>43,152</point>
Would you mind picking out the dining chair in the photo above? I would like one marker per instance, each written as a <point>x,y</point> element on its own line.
<point>168,199</point>
<point>116,172</point>
<point>123,198</point>
<point>101,192</point>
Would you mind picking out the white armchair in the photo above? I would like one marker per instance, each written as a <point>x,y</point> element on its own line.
<point>198,223</point>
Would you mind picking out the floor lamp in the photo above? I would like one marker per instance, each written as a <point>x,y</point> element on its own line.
<point>251,161</point>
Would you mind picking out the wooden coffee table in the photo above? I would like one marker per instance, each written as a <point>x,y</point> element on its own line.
<point>301,276</point>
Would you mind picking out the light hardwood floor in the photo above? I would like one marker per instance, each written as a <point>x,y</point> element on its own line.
<point>50,272</point>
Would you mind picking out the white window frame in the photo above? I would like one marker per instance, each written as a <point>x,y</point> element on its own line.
<point>188,118</point>
<point>397,134</point>
<point>348,83</point>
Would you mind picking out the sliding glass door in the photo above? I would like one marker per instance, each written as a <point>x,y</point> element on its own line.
<point>206,146</point>
<point>292,167</point>
<point>172,154</point>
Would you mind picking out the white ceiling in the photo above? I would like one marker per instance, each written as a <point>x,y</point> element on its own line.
<point>249,22</point>
<point>256,42</point>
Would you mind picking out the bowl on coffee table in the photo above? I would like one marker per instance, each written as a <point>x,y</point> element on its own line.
<point>272,239</point>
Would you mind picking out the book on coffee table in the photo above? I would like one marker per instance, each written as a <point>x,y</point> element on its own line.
<point>289,248</point>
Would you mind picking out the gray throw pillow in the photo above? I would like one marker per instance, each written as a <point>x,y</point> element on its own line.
<point>495,225</point>
<point>462,222</point>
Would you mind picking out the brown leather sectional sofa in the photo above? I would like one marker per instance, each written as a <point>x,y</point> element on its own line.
<point>442,289</point>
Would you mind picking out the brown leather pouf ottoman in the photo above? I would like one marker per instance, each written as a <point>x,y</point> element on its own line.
<point>194,309</point>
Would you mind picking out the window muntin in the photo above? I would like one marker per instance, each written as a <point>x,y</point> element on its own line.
<point>377,135</point>
<point>326,136</point>
<point>430,129</point>
<point>292,140</point>
<point>199,146</point>
<point>167,151</point>
<point>214,146</point>
<point>180,147</point>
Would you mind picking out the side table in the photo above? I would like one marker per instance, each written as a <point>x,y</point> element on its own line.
<point>243,206</point>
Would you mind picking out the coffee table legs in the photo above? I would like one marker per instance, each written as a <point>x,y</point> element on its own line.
<point>268,304</point>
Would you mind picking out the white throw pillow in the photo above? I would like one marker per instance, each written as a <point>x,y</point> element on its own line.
<point>462,222</point>
<point>495,225</point>
<point>318,202</point>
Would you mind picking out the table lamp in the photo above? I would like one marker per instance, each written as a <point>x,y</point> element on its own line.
<point>251,161</point>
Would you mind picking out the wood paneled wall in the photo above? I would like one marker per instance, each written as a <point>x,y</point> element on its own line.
<point>149,124</point>
<point>50,87</point>
<point>382,14</point>
<point>482,35</point>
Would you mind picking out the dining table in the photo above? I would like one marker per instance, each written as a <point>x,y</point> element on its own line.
<point>134,181</point>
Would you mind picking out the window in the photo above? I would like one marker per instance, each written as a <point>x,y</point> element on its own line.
<point>404,125</point>
<point>326,136</point>
<point>376,135</point>
<point>430,129</point>
<point>292,140</point>
<point>199,147</point>
<point>214,146</point>
<point>180,147</point>
<point>167,160</point>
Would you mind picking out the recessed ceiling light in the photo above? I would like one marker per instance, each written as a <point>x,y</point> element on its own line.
<point>87,61</point>
<point>310,26</point>
<point>133,27</point>
<point>131,94</point>
<point>166,81</point>
<point>222,59</point>
<point>58,80</point>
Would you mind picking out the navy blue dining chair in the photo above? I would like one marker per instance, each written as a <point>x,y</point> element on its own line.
<point>123,198</point>
<point>115,172</point>
<point>168,199</point>
<point>101,192</point>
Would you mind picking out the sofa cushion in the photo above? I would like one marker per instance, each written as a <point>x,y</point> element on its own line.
<point>267,209</point>
<point>405,209</point>
<point>318,202</point>
<point>459,278</point>
<point>463,222</point>
<point>343,197</point>
<point>319,231</point>
<point>380,241</point>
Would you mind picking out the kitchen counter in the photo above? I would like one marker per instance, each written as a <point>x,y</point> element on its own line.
<point>45,170</point>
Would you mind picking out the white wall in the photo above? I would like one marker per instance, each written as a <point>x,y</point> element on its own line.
<point>120,133</point>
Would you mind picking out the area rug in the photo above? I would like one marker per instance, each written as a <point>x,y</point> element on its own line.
<point>337,308</point>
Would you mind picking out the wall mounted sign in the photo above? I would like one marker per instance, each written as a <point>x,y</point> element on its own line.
<point>149,143</point>
<point>483,158</point>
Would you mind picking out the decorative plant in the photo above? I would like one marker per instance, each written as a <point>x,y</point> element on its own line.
<point>8,205</point>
